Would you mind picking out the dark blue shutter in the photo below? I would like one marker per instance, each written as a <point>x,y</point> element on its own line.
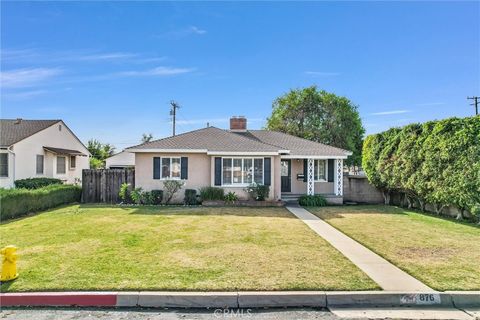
<point>267,171</point>
<point>184,168</point>
<point>218,171</point>
<point>305,170</point>
<point>331,171</point>
<point>156,167</point>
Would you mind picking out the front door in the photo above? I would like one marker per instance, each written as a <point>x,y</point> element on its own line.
<point>286,173</point>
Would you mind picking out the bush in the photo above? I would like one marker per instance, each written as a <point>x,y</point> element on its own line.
<point>437,162</point>
<point>211,193</point>
<point>156,197</point>
<point>137,195</point>
<point>171,187</point>
<point>312,201</point>
<point>190,197</point>
<point>35,183</point>
<point>231,197</point>
<point>258,192</point>
<point>17,202</point>
<point>124,193</point>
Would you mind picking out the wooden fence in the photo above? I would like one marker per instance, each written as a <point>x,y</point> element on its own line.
<point>103,185</point>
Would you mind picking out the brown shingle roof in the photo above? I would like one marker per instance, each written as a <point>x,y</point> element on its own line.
<point>296,145</point>
<point>213,139</point>
<point>13,130</point>
<point>210,139</point>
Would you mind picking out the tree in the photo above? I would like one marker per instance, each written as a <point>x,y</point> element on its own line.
<point>319,116</point>
<point>100,152</point>
<point>146,137</point>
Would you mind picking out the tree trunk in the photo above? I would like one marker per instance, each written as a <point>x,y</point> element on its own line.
<point>422,204</point>
<point>439,208</point>
<point>459,215</point>
<point>386,197</point>
<point>409,202</point>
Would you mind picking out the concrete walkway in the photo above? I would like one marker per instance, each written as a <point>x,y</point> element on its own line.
<point>385,274</point>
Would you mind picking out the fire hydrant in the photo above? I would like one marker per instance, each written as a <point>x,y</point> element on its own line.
<point>9,263</point>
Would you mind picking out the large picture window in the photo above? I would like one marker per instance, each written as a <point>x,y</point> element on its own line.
<point>242,171</point>
<point>320,170</point>
<point>171,168</point>
<point>3,164</point>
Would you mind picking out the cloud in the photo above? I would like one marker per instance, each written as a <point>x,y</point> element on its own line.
<point>191,30</point>
<point>384,113</point>
<point>322,73</point>
<point>23,95</point>
<point>104,56</point>
<point>158,71</point>
<point>27,77</point>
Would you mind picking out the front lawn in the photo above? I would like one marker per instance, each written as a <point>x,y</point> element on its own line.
<point>444,254</point>
<point>128,248</point>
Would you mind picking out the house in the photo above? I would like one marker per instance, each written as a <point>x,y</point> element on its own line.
<point>233,159</point>
<point>120,160</point>
<point>40,148</point>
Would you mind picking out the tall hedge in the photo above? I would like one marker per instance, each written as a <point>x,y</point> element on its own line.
<point>437,162</point>
<point>17,202</point>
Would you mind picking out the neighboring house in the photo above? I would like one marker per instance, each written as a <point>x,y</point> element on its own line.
<point>121,160</point>
<point>233,159</point>
<point>40,148</point>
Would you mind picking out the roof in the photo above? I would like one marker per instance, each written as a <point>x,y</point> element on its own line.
<point>297,146</point>
<point>13,130</point>
<point>64,151</point>
<point>212,140</point>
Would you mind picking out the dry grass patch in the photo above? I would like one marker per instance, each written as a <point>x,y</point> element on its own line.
<point>129,248</point>
<point>444,254</point>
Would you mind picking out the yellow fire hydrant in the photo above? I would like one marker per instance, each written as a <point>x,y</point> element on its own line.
<point>9,263</point>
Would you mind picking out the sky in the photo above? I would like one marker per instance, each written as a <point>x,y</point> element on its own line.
<point>110,69</point>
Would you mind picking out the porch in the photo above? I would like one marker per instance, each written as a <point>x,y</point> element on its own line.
<point>311,175</point>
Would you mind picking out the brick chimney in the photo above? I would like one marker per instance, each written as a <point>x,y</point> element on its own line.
<point>238,123</point>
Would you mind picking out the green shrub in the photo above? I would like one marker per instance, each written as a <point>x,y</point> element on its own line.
<point>190,197</point>
<point>231,197</point>
<point>124,193</point>
<point>436,162</point>
<point>171,187</point>
<point>17,202</point>
<point>156,197</point>
<point>35,183</point>
<point>258,192</point>
<point>312,201</point>
<point>137,195</point>
<point>211,193</point>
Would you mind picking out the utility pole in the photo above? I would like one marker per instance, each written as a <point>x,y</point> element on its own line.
<point>173,113</point>
<point>475,103</point>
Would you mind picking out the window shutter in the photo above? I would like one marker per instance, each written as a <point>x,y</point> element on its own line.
<point>331,171</point>
<point>267,172</point>
<point>156,167</point>
<point>305,167</point>
<point>218,171</point>
<point>184,169</point>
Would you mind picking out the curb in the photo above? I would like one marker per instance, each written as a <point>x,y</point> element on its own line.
<point>243,299</point>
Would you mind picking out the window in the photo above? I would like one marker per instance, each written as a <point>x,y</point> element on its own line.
<point>39,164</point>
<point>171,168</point>
<point>73,162</point>
<point>61,165</point>
<point>3,164</point>
<point>320,170</point>
<point>242,171</point>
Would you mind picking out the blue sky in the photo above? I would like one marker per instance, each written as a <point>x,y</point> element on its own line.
<point>109,69</point>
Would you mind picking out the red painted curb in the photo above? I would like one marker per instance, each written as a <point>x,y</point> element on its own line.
<point>58,299</point>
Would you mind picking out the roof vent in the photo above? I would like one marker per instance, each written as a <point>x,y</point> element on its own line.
<point>238,124</point>
<point>18,121</point>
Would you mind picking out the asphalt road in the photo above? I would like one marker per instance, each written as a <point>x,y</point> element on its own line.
<point>166,314</point>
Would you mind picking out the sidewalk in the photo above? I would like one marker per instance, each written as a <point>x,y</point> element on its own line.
<point>385,274</point>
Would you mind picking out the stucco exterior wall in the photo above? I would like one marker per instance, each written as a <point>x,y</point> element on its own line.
<point>7,182</point>
<point>200,174</point>
<point>26,152</point>
<point>300,187</point>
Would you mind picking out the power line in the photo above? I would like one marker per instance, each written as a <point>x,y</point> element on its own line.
<point>475,103</point>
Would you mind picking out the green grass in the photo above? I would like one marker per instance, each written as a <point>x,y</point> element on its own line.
<point>128,248</point>
<point>442,253</point>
